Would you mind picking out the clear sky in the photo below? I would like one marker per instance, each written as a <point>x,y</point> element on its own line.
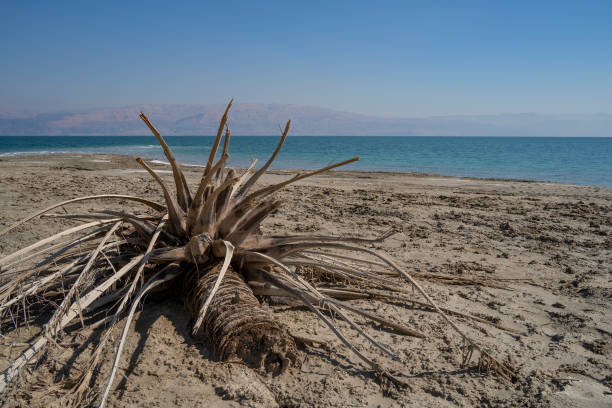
<point>391,58</point>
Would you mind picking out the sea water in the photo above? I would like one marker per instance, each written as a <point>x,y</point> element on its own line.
<point>578,160</point>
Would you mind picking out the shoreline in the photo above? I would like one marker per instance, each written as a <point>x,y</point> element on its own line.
<point>45,156</point>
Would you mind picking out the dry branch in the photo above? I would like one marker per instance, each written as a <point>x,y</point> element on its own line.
<point>208,249</point>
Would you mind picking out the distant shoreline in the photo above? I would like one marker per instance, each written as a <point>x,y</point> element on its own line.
<point>263,119</point>
<point>268,135</point>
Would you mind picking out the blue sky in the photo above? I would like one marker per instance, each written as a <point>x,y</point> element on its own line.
<point>381,57</point>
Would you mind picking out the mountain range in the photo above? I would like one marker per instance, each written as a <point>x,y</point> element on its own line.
<point>265,119</point>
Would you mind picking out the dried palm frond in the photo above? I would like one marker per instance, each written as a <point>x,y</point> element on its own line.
<point>207,245</point>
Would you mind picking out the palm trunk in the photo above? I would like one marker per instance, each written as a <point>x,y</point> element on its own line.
<point>236,325</point>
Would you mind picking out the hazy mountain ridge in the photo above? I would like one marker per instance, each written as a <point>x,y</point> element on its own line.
<point>264,119</point>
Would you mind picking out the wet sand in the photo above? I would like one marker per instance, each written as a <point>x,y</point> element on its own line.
<point>558,236</point>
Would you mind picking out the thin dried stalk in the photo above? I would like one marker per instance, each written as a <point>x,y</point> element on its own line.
<point>152,283</point>
<point>151,204</point>
<point>213,151</point>
<point>229,251</point>
<point>500,368</point>
<point>76,286</point>
<point>265,167</point>
<point>182,190</point>
<point>52,238</point>
<point>42,340</point>
<point>176,214</point>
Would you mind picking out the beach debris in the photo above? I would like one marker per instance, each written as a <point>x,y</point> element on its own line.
<point>206,246</point>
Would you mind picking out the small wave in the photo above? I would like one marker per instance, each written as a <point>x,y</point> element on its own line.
<point>167,164</point>
<point>159,162</point>
<point>143,171</point>
<point>33,152</point>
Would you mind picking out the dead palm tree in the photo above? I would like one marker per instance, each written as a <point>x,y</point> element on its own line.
<point>206,245</point>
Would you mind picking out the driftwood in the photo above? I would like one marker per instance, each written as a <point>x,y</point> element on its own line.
<point>206,245</point>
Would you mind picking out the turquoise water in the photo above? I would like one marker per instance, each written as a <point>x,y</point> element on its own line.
<point>577,160</point>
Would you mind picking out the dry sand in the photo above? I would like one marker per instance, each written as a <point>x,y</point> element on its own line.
<point>560,236</point>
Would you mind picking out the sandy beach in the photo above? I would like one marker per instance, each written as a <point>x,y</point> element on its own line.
<point>552,242</point>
